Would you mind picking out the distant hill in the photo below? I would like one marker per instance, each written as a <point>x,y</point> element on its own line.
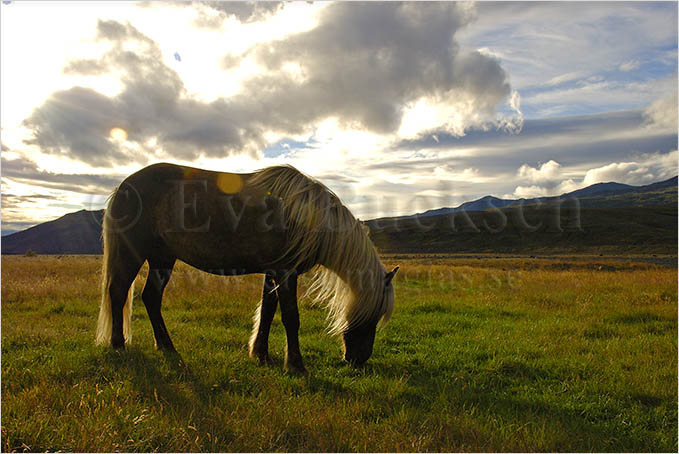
<point>74,233</point>
<point>605,217</point>
<point>601,217</point>
<point>533,229</point>
<point>599,195</point>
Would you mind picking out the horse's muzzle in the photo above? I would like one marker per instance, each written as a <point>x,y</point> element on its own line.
<point>357,360</point>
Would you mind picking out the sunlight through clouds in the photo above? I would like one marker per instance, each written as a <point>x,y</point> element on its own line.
<point>118,134</point>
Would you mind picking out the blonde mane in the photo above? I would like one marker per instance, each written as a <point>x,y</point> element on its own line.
<point>348,277</point>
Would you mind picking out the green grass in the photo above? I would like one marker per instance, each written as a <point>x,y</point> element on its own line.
<point>481,355</point>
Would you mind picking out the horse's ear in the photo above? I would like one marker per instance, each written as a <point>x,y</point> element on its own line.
<point>390,275</point>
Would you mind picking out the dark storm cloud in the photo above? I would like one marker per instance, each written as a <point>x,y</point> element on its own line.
<point>362,64</point>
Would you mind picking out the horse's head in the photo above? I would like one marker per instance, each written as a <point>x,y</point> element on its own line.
<point>358,341</point>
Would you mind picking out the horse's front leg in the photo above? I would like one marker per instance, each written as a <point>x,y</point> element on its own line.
<point>259,341</point>
<point>287,294</point>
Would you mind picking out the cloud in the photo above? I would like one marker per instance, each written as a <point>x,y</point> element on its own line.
<point>366,63</point>
<point>597,94</point>
<point>25,171</point>
<point>362,65</point>
<point>544,45</point>
<point>562,78</point>
<point>662,114</point>
<point>581,142</point>
<point>243,11</point>
<point>77,121</point>
<point>153,106</point>
<point>648,168</point>
<point>551,179</point>
<point>31,195</point>
<point>547,172</point>
<point>529,192</point>
<point>369,69</point>
<point>514,124</point>
<point>629,65</point>
<point>212,14</point>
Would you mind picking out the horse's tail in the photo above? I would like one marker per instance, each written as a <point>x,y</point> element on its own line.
<point>111,240</point>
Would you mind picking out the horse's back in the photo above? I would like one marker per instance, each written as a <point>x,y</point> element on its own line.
<point>212,220</point>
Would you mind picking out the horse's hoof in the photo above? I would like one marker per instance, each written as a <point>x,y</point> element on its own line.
<point>264,360</point>
<point>118,345</point>
<point>262,357</point>
<point>298,370</point>
<point>166,348</point>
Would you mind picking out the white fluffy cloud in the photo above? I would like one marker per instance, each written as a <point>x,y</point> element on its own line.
<point>547,172</point>
<point>529,192</point>
<point>662,113</point>
<point>646,169</point>
<point>550,179</point>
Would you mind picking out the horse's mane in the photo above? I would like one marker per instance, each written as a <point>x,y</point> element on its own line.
<point>349,278</point>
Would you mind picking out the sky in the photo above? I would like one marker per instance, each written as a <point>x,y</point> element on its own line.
<point>397,107</point>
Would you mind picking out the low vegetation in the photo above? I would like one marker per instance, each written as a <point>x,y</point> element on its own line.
<point>565,228</point>
<point>483,354</point>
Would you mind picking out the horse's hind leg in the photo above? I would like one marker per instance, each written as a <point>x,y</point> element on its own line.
<point>259,341</point>
<point>122,278</point>
<point>159,275</point>
<point>118,292</point>
<point>287,294</point>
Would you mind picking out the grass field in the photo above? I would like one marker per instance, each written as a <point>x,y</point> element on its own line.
<point>482,354</point>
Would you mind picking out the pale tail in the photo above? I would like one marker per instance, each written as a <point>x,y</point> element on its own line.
<point>105,321</point>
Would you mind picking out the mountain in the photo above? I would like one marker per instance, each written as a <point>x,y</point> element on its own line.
<point>599,195</point>
<point>605,217</point>
<point>601,217</point>
<point>74,233</point>
<point>602,189</point>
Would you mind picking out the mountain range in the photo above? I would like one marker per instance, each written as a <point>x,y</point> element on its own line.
<point>604,216</point>
<point>599,195</point>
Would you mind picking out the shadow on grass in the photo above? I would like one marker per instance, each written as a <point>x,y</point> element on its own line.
<point>496,389</point>
<point>500,393</point>
<point>148,376</point>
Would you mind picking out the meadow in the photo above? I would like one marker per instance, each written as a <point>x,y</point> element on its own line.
<point>485,353</point>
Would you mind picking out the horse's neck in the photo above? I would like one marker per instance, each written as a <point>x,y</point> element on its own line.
<point>356,275</point>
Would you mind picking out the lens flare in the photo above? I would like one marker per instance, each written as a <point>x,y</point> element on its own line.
<point>229,183</point>
<point>118,134</point>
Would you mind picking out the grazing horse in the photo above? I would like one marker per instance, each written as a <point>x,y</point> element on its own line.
<point>276,221</point>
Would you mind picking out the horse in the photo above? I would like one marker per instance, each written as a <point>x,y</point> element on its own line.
<point>276,221</point>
